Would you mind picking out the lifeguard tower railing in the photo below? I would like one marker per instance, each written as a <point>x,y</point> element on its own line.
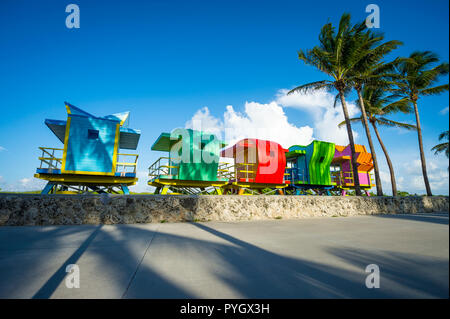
<point>245,172</point>
<point>296,175</point>
<point>341,178</point>
<point>243,181</point>
<point>51,160</point>
<point>345,178</point>
<point>225,171</point>
<point>168,168</point>
<point>163,167</point>
<point>126,163</point>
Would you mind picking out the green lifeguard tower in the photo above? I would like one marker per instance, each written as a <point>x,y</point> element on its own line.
<point>308,167</point>
<point>192,165</point>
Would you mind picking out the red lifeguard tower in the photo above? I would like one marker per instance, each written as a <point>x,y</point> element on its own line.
<point>258,165</point>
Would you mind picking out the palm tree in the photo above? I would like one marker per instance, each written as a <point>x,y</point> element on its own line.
<point>442,147</point>
<point>378,106</point>
<point>371,71</point>
<point>417,78</point>
<point>336,55</point>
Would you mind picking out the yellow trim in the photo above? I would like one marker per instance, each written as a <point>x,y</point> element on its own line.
<point>50,148</point>
<point>185,183</point>
<point>68,109</point>
<point>88,173</point>
<point>126,164</point>
<point>66,142</point>
<point>88,179</point>
<point>116,149</point>
<point>128,154</point>
<point>50,158</point>
<point>123,121</point>
<point>259,185</point>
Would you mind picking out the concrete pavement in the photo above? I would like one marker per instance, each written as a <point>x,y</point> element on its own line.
<point>305,258</point>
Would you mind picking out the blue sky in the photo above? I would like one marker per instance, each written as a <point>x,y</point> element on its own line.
<point>165,60</point>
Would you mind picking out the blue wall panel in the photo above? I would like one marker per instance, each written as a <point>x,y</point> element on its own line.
<point>302,163</point>
<point>87,154</point>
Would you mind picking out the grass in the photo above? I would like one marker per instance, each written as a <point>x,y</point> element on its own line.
<point>29,192</point>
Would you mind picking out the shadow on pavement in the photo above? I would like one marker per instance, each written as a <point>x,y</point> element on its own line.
<point>54,281</point>
<point>441,218</point>
<point>252,272</point>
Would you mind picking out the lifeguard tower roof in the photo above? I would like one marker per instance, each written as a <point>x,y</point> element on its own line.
<point>128,139</point>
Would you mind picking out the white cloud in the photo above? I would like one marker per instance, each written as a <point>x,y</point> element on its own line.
<point>25,181</point>
<point>326,117</point>
<point>385,177</point>
<point>141,185</point>
<point>409,177</point>
<point>22,185</point>
<point>263,121</point>
<point>2,149</point>
<point>444,111</point>
<point>269,121</point>
<point>205,121</point>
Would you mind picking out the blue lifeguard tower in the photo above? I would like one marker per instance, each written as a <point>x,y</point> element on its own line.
<point>308,167</point>
<point>90,160</point>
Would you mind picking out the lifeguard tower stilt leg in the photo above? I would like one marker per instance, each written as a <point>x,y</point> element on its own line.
<point>48,188</point>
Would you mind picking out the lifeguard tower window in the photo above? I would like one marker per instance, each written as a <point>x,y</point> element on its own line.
<point>321,159</point>
<point>92,134</point>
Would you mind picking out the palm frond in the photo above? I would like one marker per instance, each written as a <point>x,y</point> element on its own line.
<point>352,120</point>
<point>313,86</point>
<point>435,90</point>
<point>403,105</point>
<point>443,147</point>
<point>443,135</point>
<point>387,122</point>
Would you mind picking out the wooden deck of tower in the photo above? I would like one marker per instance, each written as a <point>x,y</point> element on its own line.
<point>89,160</point>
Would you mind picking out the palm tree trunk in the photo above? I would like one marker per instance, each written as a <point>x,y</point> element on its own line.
<point>388,159</point>
<point>372,149</point>
<point>422,154</point>
<point>352,144</point>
